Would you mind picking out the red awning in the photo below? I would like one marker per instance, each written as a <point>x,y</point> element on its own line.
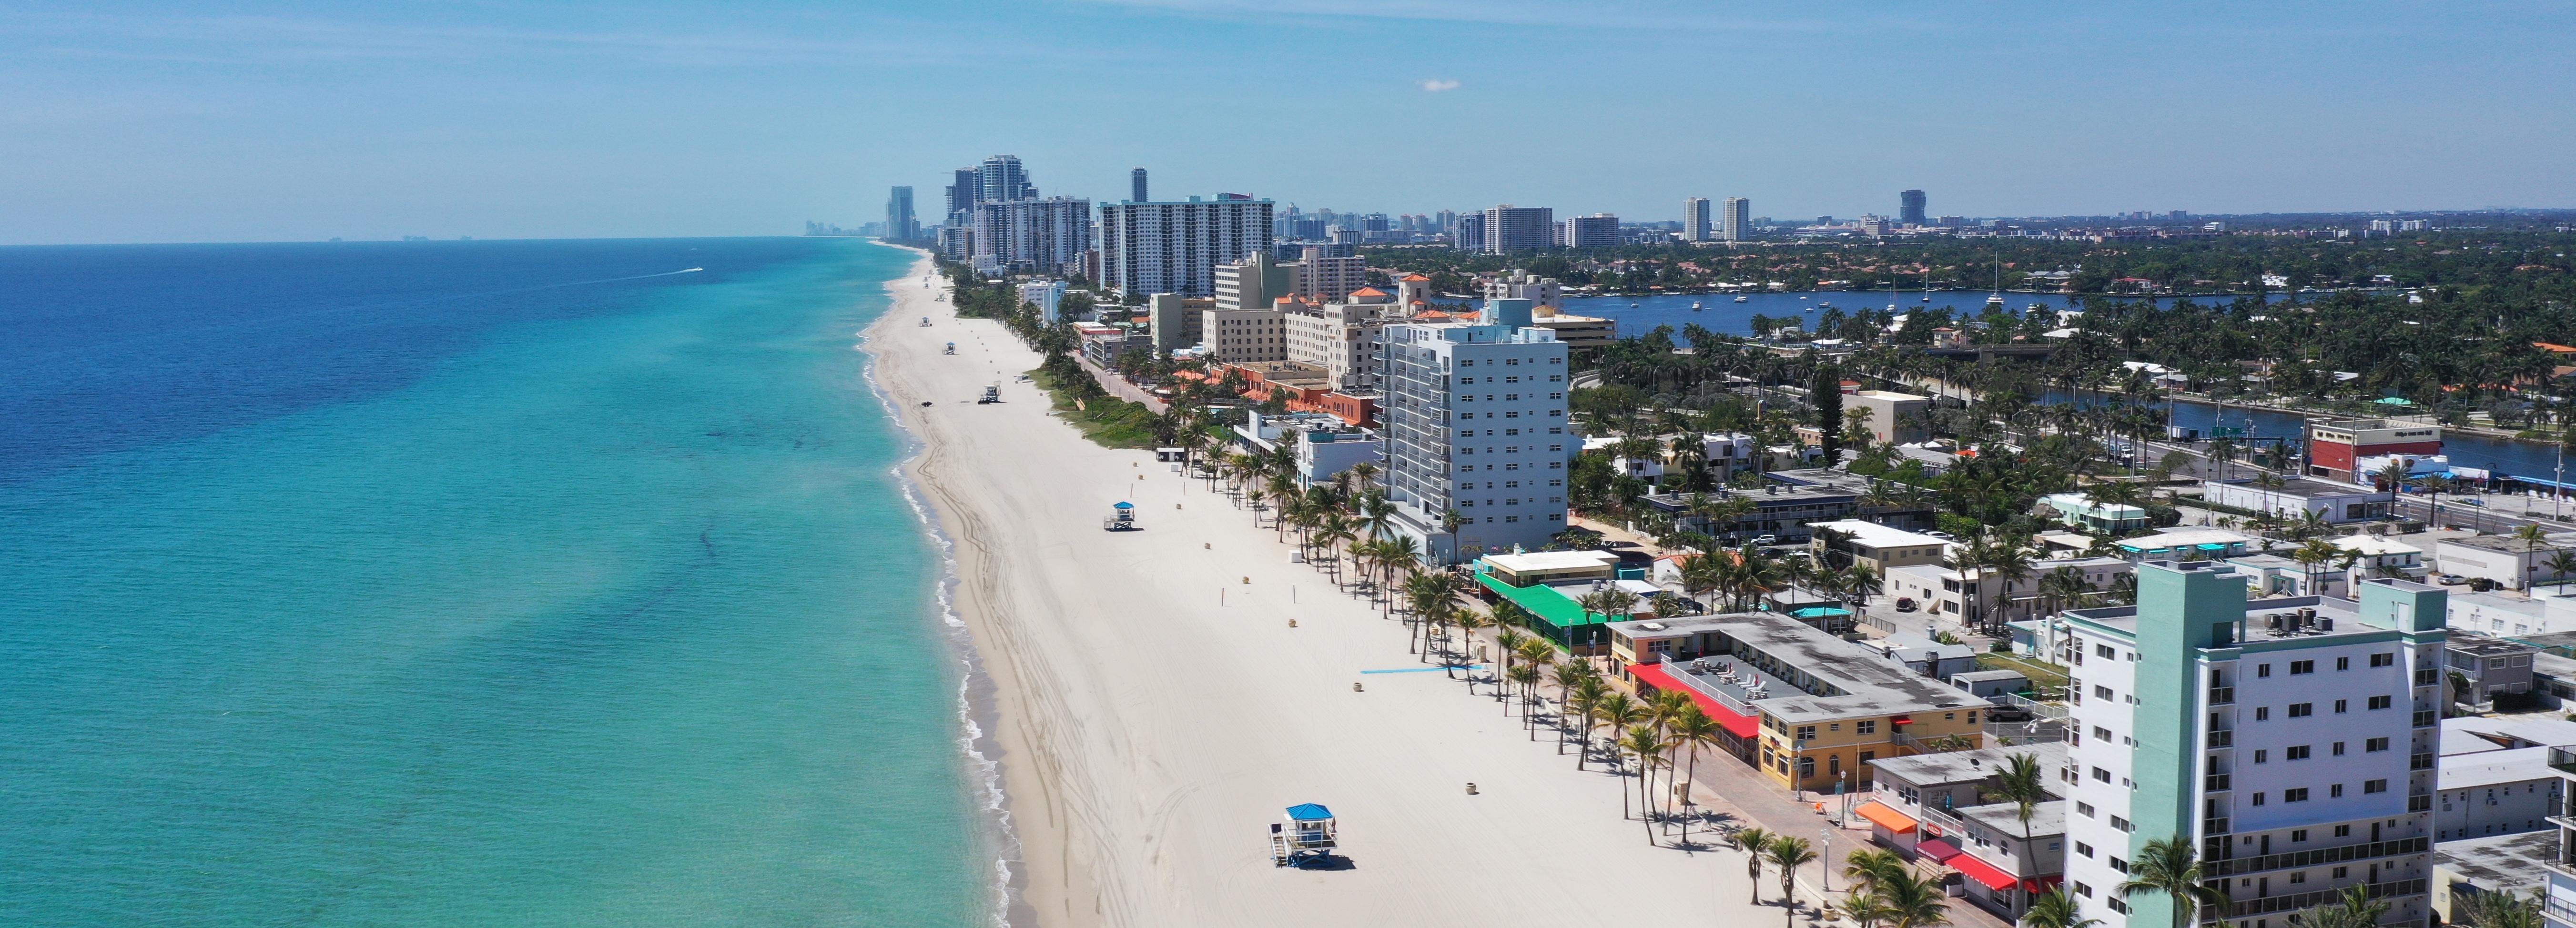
<point>1939,850</point>
<point>1994,877</point>
<point>1736,724</point>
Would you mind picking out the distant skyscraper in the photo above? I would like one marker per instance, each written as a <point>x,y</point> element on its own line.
<point>1511,228</point>
<point>1001,178</point>
<point>1050,236</point>
<point>899,223</point>
<point>1468,231</point>
<point>1599,230</point>
<point>1735,219</point>
<point>1910,207</point>
<point>1446,219</point>
<point>1176,247</point>
<point>961,198</point>
<point>1695,219</point>
<point>1136,183</point>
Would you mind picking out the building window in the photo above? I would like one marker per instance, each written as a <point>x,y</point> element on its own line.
<point>2258,799</point>
<point>2101,692</point>
<point>2375,745</point>
<point>2338,749</point>
<point>2101,774</point>
<point>2342,831</point>
<point>2262,713</point>
<point>2382,660</point>
<point>2335,791</point>
<point>1865,728</point>
<point>2122,824</point>
<point>2374,786</point>
<point>2379,702</point>
<point>2300,710</point>
<point>2084,809</point>
<point>2262,670</point>
<point>2300,667</point>
<point>2298,834</point>
<point>2083,890</point>
<point>2295,752</point>
<point>2341,705</point>
<point>2083,848</point>
<point>2262,756</point>
<point>2119,865</point>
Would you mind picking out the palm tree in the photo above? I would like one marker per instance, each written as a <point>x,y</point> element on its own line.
<point>1507,644</point>
<point>1400,554</point>
<point>1871,868</point>
<point>2561,563</point>
<point>1616,712</point>
<point>2353,909</point>
<point>1755,843</point>
<point>1527,676</point>
<point>1789,854</point>
<point>2500,909</point>
<point>1642,742</point>
<point>1915,903</point>
<point>1693,731</point>
<point>1866,907</point>
<point>2171,867</point>
<point>2021,783</point>
<point>1577,685</point>
<point>1467,622</point>
<point>2056,909</point>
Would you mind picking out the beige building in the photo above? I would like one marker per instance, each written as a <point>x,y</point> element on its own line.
<point>1325,280</point>
<point>1887,414</point>
<point>1179,321</point>
<point>1340,337</point>
<point>1254,282</point>
<point>1246,335</point>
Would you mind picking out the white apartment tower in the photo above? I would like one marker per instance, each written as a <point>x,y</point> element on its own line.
<point>1695,225</point>
<point>1477,442</point>
<point>1511,228</point>
<point>1735,219</point>
<point>1176,247</point>
<point>2292,742</point>
<point>1049,236</point>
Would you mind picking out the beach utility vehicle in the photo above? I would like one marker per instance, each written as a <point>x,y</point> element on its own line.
<point>992,394</point>
<point>1121,518</point>
<point>952,348</point>
<point>1307,838</point>
<point>925,322</point>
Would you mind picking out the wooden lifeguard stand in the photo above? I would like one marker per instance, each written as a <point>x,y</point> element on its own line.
<point>1307,838</point>
<point>1121,518</point>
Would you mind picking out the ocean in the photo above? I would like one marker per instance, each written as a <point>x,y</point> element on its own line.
<point>469,583</point>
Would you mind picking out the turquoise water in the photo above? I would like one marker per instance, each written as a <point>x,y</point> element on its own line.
<point>608,610</point>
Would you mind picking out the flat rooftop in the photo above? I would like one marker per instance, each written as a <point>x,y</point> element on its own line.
<point>1966,766</point>
<point>2345,613</point>
<point>1552,560</point>
<point>2183,537</point>
<point>2501,862</point>
<point>2488,768</point>
<point>2047,818</point>
<point>1860,681</point>
<point>1879,536</point>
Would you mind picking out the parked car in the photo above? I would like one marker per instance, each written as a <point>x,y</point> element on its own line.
<point>1765,541</point>
<point>2449,579</point>
<point>1904,604</point>
<point>1944,536</point>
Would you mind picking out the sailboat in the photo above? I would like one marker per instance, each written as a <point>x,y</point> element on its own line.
<point>1741,298</point>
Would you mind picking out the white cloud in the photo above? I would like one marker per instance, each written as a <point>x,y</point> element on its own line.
<point>1436,85</point>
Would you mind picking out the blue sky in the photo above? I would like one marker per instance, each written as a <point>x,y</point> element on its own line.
<point>139,122</point>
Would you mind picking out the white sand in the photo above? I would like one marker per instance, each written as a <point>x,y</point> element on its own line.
<point>1150,735</point>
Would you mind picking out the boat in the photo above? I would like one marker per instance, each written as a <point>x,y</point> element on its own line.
<point>1995,301</point>
<point>1694,306</point>
<point>1927,299</point>
<point>2034,307</point>
<point>1632,304</point>
<point>1740,299</point>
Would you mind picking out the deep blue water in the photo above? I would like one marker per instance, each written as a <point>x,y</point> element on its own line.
<point>485,583</point>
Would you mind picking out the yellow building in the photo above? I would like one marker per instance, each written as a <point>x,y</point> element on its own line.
<point>1806,708</point>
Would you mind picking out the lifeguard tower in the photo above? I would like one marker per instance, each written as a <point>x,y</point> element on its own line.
<point>1305,839</point>
<point>952,348</point>
<point>1121,518</point>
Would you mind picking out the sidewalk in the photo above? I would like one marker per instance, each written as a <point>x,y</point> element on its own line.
<point>1120,388</point>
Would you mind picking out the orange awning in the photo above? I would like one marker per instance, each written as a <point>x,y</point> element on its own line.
<point>1885,817</point>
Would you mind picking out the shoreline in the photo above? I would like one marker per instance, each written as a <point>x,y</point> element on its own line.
<point>978,693</point>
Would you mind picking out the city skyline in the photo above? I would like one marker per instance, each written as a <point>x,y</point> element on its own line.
<point>282,122</point>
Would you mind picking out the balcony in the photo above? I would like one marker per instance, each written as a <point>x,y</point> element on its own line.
<point>2427,718</point>
<point>2238,865</point>
<point>2562,760</point>
<point>2419,762</point>
<point>2222,739</point>
<point>2215,783</point>
<point>2309,900</point>
<point>2222,695</point>
<point>2214,826</point>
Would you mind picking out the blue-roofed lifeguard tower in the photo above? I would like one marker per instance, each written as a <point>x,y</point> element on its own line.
<point>1307,837</point>
<point>1121,517</point>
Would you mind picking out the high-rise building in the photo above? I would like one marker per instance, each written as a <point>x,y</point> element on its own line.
<point>1323,278</point>
<point>1175,247</point>
<point>2292,742</point>
<point>1255,282</point>
<point>1695,225</point>
<point>961,198</point>
<point>1735,219</point>
<point>1001,178</point>
<point>1049,236</point>
<point>1340,336</point>
<point>1477,442</point>
<point>1445,219</point>
<point>1136,185</point>
<point>1467,232</point>
<point>1599,230</point>
<point>1909,210</point>
<point>1047,296</point>
<point>899,222</point>
<point>1511,228</point>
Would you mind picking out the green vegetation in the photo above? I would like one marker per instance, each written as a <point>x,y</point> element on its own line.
<point>2043,677</point>
<point>1107,420</point>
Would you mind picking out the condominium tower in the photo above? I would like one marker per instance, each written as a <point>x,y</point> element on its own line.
<point>1735,219</point>
<point>899,222</point>
<point>1599,230</point>
<point>1695,223</point>
<point>1136,185</point>
<point>1909,209</point>
<point>1175,247</point>
<point>1476,434</point>
<point>1511,228</point>
<point>1049,236</point>
<point>2291,742</point>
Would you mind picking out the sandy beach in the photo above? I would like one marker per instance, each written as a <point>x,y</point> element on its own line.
<point>1156,712</point>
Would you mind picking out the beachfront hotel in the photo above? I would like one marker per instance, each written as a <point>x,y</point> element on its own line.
<point>1476,432</point>
<point>2291,741</point>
